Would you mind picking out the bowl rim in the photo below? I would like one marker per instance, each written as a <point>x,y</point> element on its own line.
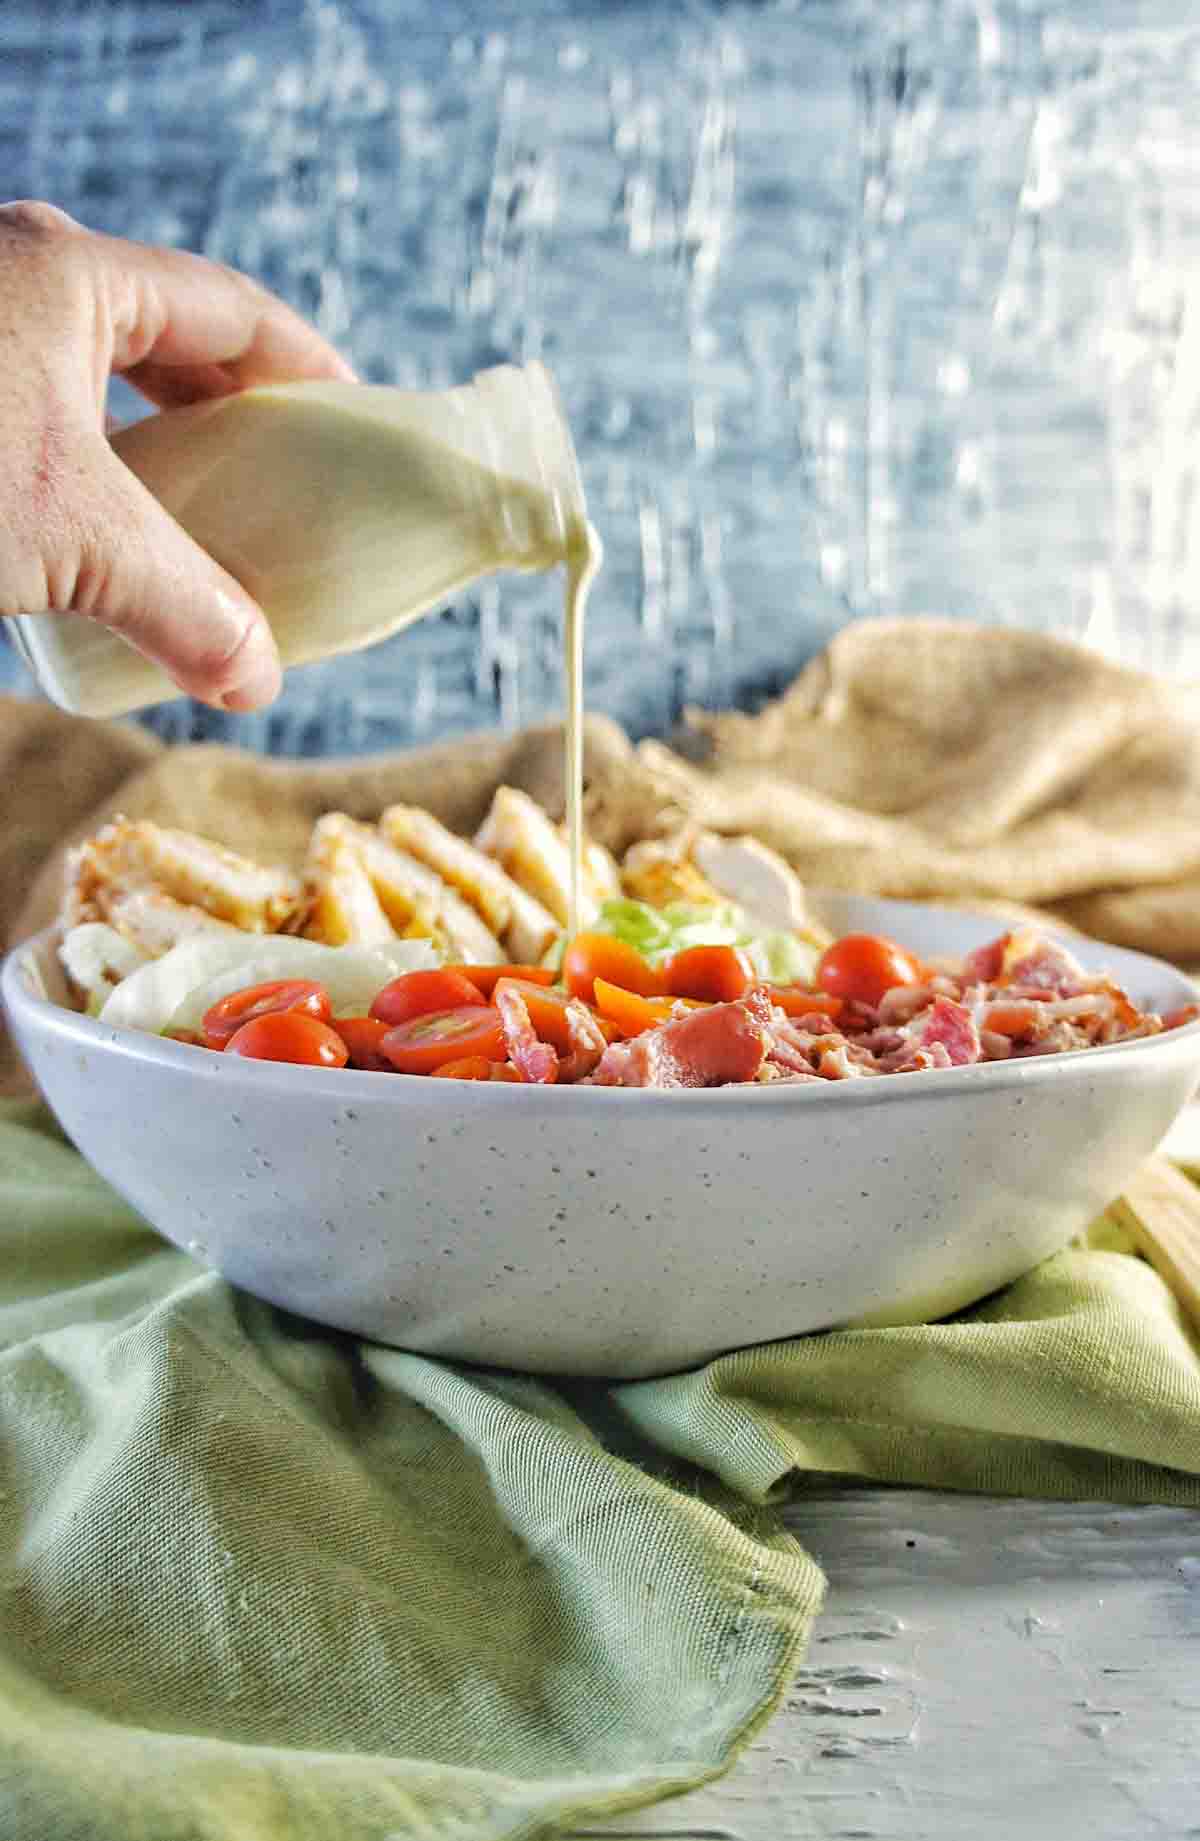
<point>25,1005</point>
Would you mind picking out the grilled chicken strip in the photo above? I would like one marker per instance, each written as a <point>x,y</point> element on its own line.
<point>519,836</point>
<point>506,902</point>
<point>192,870</point>
<point>357,879</point>
<point>344,909</point>
<point>155,922</point>
<point>661,870</point>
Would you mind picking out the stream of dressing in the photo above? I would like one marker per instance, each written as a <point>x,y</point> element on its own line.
<point>585,553</point>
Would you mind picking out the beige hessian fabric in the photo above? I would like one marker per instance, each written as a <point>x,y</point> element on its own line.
<point>914,758</point>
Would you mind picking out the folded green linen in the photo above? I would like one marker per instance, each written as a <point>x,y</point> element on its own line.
<point>263,1580</point>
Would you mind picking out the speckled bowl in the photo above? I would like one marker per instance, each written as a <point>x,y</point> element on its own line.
<point>606,1232</point>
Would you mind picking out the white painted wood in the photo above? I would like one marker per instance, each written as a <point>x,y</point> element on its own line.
<point>984,1670</point>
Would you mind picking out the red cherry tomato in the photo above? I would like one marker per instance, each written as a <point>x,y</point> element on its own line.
<point>426,1043</point>
<point>548,1014</point>
<point>485,978</point>
<point>225,1018</point>
<point>599,955</point>
<point>362,1036</point>
<point>861,967</point>
<point>423,994</point>
<point>710,974</point>
<point>289,1035</point>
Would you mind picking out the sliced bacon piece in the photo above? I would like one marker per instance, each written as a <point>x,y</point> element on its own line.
<point>720,1046</point>
<point>902,1002</point>
<point>615,1063</point>
<point>783,1054</point>
<point>1057,1039</point>
<point>950,1025</point>
<point>1124,1011</point>
<point>836,1063</point>
<point>983,966</point>
<point>588,1043</point>
<point>535,1060</point>
<point>1041,965</point>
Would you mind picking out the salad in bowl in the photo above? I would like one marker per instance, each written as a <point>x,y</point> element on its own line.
<point>617,1153</point>
<point>403,948</point>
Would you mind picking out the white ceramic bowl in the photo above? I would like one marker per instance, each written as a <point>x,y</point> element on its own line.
<point>595,1231</point>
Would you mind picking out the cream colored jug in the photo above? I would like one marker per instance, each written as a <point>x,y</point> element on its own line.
<point>347,510</point>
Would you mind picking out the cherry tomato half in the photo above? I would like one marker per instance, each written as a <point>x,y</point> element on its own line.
<point>485,978</point>
<point>423,994</point>
<point>362,1036</point>
<point>861,967</point>
<point>226,1017</point>
<point>477,1067</point>
<point>426,1043</point>
<point>794,1000</point>
<point>289,1035</point>
<point>710,974</point>
<point>599,955</point>
<point>631,1014</point>
<point>547,1012</point>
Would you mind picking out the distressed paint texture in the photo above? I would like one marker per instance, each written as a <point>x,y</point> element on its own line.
<point>983,1668</point>
<point>888,306</point>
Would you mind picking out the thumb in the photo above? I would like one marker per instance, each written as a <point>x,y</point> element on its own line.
<point>138,573</point>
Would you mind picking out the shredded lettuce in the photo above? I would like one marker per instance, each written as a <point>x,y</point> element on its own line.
<point>174,992</point>
<point>780,958</point>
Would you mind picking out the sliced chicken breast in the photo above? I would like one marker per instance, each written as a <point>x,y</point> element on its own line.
<point>191,870</point>
<point>519,836</point>
<point>344,909</point>
<point>411,898</point>
<point>154,922</point>
<point>511,910</point>
<point>757,879</point>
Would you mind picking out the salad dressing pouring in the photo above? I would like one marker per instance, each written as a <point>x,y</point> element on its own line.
<point>349,511</point>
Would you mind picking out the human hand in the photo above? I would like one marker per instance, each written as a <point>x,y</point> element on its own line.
<point>79,534</point>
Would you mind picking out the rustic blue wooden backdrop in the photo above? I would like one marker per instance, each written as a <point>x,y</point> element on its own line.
<point>858,306</point>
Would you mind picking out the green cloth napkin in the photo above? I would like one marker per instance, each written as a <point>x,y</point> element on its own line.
<point>261,1580</point>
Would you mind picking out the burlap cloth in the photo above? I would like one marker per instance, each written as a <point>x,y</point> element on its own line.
<point>914,758</point>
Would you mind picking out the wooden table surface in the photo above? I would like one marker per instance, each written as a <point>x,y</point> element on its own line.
<point>984,1670</point>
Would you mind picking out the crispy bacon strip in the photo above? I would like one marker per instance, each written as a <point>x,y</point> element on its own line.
<point>535,1060</point>
<point>588,1043</point>
<point>719,1046</point>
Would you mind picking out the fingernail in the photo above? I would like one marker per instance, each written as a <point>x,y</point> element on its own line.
<point>259,675</point>
<point>257,688</point>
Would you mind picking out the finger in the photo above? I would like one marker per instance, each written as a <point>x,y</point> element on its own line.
<point>174,386</point>
<point>173,310</point>
<point>136,571</point>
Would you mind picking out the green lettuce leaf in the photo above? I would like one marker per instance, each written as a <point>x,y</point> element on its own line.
<point>779,958</point>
